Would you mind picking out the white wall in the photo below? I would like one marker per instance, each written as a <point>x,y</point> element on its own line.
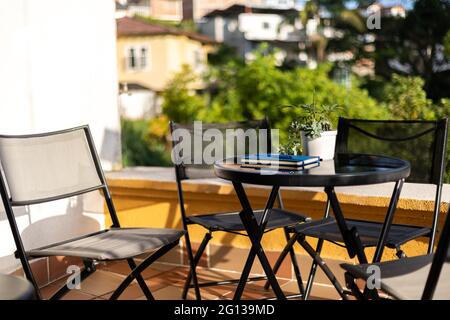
<point>139,104</point>
<point>252,24</point>
<point>58,70</point>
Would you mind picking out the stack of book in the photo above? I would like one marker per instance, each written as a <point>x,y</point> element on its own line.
<point>279,162</point>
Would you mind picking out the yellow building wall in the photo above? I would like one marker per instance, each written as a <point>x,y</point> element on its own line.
<point>167,55</point>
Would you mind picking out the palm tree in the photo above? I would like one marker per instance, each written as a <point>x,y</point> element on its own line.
<point>342,17</point>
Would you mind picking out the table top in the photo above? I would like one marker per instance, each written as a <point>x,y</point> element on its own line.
<point>15,288</point>
<point>345,170</point>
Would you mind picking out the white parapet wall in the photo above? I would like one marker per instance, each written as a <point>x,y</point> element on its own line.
<point>58,70</point>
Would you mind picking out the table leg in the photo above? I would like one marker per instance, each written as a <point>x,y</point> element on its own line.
<point>388,220</point>
<point>351,238</point>
<point>255,231</point>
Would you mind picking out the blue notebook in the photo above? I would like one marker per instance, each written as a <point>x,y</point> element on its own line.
<point>279,159</point>
<point>280,167</point>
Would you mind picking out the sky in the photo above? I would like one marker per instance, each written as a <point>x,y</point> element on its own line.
<point>406,3</point>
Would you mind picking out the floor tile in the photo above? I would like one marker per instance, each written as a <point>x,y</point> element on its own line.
<point>78,295</point>
<point>133,292</point>
<point>174,293</point>
<point>163,266</point>
<point>318,291</point>
<point>122,267</point>
<point>166,282</point>
<point>101,282</point>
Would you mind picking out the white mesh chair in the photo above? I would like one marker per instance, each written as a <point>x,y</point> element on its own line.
<point>423,277</point>
<point>45,167</point>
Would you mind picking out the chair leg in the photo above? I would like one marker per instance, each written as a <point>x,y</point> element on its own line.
<point>294,261</point>
<point>316,257</point>
<point>141,267</point>
<point>350,283</point>
<point>140,280</point>
<point>290,243</point>
<point>197,257</point>
<point>193,274</point>
<point>312,272</point>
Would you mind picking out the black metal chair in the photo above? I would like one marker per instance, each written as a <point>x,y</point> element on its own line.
<point>45,167</point>
<point>422,143</point>
<point>423,277</point>
<point>226,221</point>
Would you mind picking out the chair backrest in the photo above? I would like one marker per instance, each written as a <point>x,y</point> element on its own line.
<point>44,167</point>
<point>192,165</point>
<point>441,256</point>
<point>422,143</point>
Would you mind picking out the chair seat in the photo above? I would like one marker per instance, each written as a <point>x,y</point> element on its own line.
<point>231,221</point>
<point>112,244</point>
<point>369,232</point>
<point>406,278</point>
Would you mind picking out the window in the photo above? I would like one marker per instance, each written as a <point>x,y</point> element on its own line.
<point>143,58</point>
<point>197,59</point>
<point>137,58</point>
<point>131,59</point>
<point>266,25</point>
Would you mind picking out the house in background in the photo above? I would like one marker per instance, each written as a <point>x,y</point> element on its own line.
<point>246,27</point>
<point>377,7</point>
<point>148,56</point>
<point>171,10</point>
<point>197,9</point>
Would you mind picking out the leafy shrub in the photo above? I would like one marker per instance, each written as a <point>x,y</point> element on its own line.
<point>139,148</point>
<point>406,98</point>
<point>181,103</point>
<point>259,88</point>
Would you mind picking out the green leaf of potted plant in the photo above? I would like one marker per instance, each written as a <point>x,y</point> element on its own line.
<point>314,129</point>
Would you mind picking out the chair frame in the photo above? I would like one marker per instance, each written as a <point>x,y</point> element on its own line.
<point>89,264</point>
<point>441,126</point>
<point>437,263</point>
<point>192,280</point>
<point>441,255</point>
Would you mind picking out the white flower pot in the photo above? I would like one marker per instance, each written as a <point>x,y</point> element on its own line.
<point>322,146</point>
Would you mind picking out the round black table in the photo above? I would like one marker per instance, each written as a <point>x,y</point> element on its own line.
<point>344,170</point>
<point>15,288</point>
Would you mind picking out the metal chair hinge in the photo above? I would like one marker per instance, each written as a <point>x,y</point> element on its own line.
<point>89,265</point>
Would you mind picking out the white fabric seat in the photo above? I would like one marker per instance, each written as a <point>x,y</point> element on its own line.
<point>112,244</point>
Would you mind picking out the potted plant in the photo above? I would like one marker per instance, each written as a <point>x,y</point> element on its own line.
<point>312,134</point>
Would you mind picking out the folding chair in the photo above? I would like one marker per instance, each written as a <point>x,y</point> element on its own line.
<point>45,167</point>
<point>422,143</point>
<point>226,221</point>
<point>424,277</point>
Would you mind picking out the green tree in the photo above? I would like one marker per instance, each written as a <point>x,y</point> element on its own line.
<point>349,23</point>
<point>406,98</point>
<point>181,103</point>
<point>139,148</point>
<point>259,88</point>
<point>447,44</point>
<point>413,43</point>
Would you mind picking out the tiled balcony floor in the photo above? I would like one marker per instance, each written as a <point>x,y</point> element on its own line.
<point>166,282</point>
